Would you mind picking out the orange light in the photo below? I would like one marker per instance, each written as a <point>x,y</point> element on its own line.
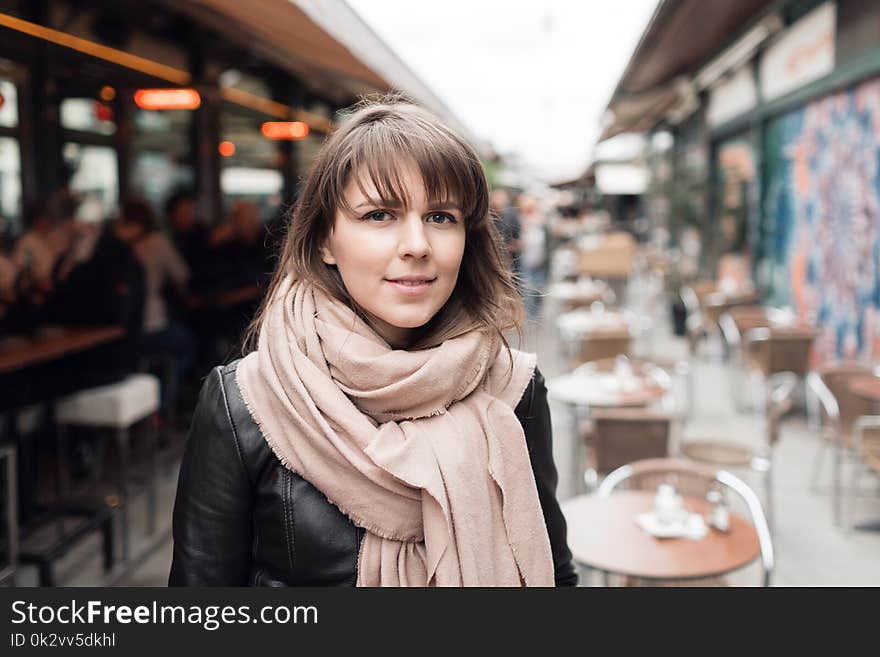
<point>226,148</point>
<point>107,93</point>
<point>167,99</point>
<point>285,129</point>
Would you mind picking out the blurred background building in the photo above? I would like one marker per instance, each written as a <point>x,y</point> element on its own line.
<point>761,122</point>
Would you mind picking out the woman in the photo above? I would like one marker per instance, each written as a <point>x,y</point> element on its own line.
<point>382,432</point>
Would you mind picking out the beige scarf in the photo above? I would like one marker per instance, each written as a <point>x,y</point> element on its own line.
<point>420,448</point>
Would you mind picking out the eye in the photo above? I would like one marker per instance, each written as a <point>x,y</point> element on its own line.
<point>376,215</point>
<point>441,218</point>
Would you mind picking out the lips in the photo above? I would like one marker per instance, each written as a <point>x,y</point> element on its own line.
<point>412,280</point>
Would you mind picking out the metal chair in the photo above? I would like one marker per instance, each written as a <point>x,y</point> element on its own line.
<point>839,412</point>
<point>697,480</point>
<point>729,454</point>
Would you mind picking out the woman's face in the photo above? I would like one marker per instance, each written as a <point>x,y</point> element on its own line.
<point>399,264</point>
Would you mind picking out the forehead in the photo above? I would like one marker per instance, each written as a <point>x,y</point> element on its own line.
<point>402,182</point>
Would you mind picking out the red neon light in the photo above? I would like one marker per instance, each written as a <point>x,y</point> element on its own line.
<point>167,99</point>
<point>285,130</point>
<point>226,148</point>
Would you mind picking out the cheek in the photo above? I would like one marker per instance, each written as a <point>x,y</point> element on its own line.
<point>450,251</point>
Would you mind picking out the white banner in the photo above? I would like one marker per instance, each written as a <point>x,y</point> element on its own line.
<point>805,52</point>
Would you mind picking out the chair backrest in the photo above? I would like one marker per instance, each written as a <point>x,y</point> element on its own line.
<point>772,352</point>
<point>830,383</point>
<point>601,345</point>
<point>749,316</point>
<point>695,479</point>
<point>623,435</point>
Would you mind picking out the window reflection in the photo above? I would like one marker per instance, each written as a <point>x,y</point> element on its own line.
<point>94,179</point>
<point>83,114</point>
<point>10,183</point>
<point>8,105</point>
<point>162,160</point>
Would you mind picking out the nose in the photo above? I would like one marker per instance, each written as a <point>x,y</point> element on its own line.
<point>413,240</point>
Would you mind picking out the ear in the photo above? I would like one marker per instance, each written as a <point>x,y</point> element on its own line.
<point>327,255</point>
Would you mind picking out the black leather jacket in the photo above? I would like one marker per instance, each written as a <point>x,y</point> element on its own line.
<point>241,518</point>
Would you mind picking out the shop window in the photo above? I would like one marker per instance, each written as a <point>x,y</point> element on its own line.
<point>8,104</point>
<point>162,159</point>
<point>86,115</point>
<point>10,185</point>
<point>95,179</point>
<point>251,166</point>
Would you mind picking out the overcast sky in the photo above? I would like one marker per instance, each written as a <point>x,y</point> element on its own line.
<point>530,76</point>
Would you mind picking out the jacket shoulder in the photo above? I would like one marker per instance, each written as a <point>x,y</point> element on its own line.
<point>252,447</point>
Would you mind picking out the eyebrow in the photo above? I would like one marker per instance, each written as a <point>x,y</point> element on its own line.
<point>395,205</point>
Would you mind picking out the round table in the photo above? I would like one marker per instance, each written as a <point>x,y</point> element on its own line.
<point>603,534</point>
<point>589,389</point>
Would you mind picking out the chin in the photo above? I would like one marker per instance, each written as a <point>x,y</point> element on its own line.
<point>408,321</point>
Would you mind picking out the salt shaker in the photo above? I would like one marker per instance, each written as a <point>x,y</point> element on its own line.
<point>719,516</point>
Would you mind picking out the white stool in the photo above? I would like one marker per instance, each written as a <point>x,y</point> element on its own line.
<point>117,406</point>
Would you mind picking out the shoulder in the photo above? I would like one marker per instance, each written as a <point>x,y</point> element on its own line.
<point>535,393</point>
<point>510,375</point>
<point>220,402</point>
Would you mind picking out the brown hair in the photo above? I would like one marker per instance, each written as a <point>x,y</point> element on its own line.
<point>374,136</point>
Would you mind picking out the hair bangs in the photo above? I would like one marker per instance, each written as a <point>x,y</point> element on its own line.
<point>378,151</point>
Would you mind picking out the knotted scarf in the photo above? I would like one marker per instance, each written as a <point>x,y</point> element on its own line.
<point>420,448</point>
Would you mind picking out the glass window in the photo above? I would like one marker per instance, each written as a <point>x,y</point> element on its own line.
<point>162,158</point>
<point>10,184</point>
<point>95,179</point>
<point>8,104</point>
<point>250,169</point>
<point>85,114</point>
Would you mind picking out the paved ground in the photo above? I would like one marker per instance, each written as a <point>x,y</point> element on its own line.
<point>809,550</point>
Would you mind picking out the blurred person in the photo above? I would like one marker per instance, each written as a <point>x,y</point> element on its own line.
<point>163,267</point>
<point>73,241</point>
<point>534,258</point>
<point>509,225</point>
<point>34,255</point>
<point>8,278</point>
<point>413,444</point>
<point>192,239</point>
<point>249,244</point>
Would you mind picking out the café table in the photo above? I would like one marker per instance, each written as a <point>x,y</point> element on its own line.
<point>603,535</point>
<point>40,367</point>
<point>52,343</point>
<point>579,293</point>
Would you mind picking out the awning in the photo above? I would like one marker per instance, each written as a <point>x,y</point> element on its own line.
<point>681,36</point>
<point>640,112</point>
<point>323,42</point>
<point>283,34</point>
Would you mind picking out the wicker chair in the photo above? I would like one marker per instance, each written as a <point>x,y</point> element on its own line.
<point>840,410</point>
<point>600,345</point>
<point>694,479</point>
<point>623,435</point>
<point>728,454</point>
